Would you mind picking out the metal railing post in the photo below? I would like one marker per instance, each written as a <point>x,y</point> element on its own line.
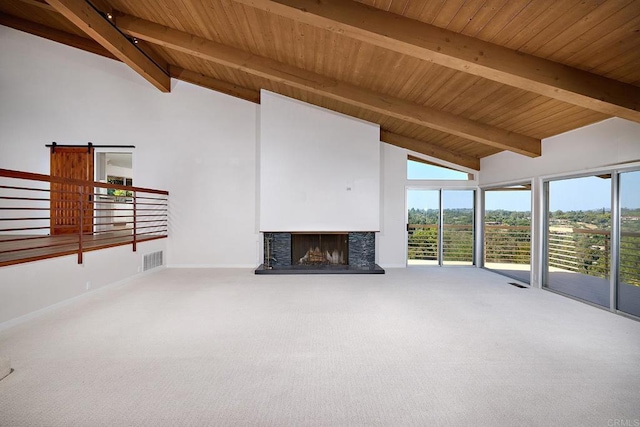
<point>81,222</point>
<point>135,221</point>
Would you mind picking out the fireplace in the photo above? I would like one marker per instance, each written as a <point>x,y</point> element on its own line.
<point>325,252</point>
<point>320,249</point>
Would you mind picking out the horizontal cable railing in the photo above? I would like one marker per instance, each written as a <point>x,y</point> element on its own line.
<point>579,250</point>
<point>588,252</point>
<point>630,258</point>
<point>423,242</point>
<point>43,217</point>
<point>457,242</point>
<point>507,244</point>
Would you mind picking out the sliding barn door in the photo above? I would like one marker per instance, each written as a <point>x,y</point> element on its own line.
<point>75,163</point>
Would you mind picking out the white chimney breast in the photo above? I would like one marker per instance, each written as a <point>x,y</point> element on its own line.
<point>319,170</point>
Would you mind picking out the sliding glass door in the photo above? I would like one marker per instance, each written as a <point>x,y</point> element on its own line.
<point>423,227</point>
<point>440,227</point>
<point>457,227</point>
<point>507,231</point>
<point>578,238</point>
<point>628,299</point>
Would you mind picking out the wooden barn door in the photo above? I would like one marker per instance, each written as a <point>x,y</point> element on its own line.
<point>76,163</point>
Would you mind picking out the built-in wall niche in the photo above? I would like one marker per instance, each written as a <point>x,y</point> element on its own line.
<point>119,180</point>
<point>114,207</point>
<point>115,168</point>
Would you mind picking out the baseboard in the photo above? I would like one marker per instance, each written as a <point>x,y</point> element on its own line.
<point>385,266</point>
<point>35,314</point>
<point>212,266</point>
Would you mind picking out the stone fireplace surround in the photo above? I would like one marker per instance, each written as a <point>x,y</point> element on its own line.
<point>278,256</point>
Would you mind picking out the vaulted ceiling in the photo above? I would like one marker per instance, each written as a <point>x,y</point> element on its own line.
<point>457,80</point>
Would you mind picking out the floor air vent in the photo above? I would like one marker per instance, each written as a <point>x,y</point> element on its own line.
<point>152,260</point>
<point>517,285</point>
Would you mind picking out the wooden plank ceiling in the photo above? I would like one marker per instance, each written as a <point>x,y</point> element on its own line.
<point>453,79</point>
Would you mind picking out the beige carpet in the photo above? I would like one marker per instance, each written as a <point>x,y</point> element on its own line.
<point>425,346</point>
<point>5,366</point>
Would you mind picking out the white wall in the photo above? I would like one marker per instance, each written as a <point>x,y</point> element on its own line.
<point>198,144</point>
<point>28,288</point>
<point>391,241</point>
<point>319,170</point>
<point>119,171</point>
<point>607,143</point>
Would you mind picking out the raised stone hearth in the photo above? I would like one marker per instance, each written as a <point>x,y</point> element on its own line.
<point>319,253</point>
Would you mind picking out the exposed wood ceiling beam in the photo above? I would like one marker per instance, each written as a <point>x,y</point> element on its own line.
<point>85,17</point>
<point>214,84</point>
<point>462,53</point>
<point>388,137</point>
<point>150,52</point>
<point>430,150</point>
<point>89,45</point>
<point>102,5</point>
<point>432,163</point>
<point>226,87</point>
<point>39,3</point>
<point>327,87</point>
<point>54,35</point>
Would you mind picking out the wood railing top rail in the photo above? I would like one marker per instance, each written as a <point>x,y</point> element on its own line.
<point>513,227</point>
<point>600,232</point>
<point>436,225</point>
<point>8,173</point>
<point>509,227</point>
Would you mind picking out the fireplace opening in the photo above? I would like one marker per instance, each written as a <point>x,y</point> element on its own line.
<point>319,253</point>
<point>320,248</point>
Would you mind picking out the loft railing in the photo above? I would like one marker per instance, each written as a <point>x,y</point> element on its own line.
<point>44,217</point>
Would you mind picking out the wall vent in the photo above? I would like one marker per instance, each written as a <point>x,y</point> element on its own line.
<point>517,285</point>
<point>152,260</point>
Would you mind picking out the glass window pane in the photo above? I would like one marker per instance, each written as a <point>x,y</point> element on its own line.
<point>457,216</point>
<point>421,170</point>
<point>629,278</point>
<point>507,231</point>
<point>423,220</point>
<point>578,238</point>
